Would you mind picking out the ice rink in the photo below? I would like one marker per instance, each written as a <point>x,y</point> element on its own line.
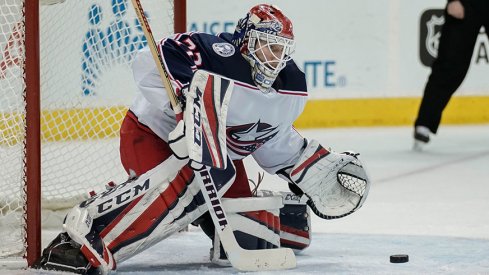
<point>431,205</point>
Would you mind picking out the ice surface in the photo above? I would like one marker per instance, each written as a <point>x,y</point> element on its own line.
<point>432,205</point>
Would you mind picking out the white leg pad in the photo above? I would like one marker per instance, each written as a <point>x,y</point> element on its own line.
<point>127,219</point>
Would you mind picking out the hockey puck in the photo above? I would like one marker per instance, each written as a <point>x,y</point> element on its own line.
<point>399,258</point>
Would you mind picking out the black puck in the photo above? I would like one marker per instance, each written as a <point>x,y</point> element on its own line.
<point>399,258</point>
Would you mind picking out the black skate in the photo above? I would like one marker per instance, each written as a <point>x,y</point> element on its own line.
<point>421,137</point>
<point>64,254</point>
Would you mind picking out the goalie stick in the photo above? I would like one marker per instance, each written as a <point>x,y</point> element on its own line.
<point>148,34</point>
<point>240,258</point>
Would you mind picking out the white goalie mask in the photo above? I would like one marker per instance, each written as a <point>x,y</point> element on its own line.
<point>268,55</point>
<point>266,40</point>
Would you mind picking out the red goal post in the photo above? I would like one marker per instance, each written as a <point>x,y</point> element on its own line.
<point>65,84</point>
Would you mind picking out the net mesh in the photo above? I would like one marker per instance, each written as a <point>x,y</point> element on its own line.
<point>86,86</point>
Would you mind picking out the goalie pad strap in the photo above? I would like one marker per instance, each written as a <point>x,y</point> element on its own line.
<point>295,220</point>
<point>295,223</point>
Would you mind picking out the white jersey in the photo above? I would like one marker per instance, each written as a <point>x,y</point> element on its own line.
<point>257,123</point>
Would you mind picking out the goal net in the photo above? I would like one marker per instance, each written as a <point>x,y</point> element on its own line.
<point>86,48</point>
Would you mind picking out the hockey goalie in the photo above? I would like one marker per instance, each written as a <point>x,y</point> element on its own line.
<point>240,94</point>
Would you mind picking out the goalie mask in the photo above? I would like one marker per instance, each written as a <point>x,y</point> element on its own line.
<point>266,41</point>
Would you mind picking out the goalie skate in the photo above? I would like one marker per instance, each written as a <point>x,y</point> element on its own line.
<point>64,254</point>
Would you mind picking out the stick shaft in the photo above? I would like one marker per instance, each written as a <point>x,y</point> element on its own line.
<point>240,258</point>
<point>165,77</point>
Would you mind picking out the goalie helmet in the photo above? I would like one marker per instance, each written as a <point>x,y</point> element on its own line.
<point>265,39</point>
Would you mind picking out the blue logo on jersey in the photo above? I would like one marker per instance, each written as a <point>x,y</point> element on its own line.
<point>245,139</point>
<point>104,48</point>
<point>223,49</point>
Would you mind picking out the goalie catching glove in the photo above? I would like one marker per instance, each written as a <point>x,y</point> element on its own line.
<point>336,184</point>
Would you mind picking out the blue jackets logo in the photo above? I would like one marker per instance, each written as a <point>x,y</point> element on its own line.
<point>223,49</point>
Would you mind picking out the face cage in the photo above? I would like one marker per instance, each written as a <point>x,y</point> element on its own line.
<point>264,72</point>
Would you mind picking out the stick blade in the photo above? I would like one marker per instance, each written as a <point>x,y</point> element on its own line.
<point>256,260</point>
<point>263,260</point>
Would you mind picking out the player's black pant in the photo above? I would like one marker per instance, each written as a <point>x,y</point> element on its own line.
<point>457,41</point>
